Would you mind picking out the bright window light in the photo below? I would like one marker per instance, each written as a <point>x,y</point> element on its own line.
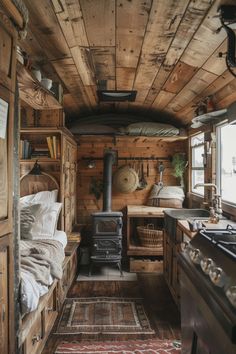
<point>226,162</point>
<point>197,149</point>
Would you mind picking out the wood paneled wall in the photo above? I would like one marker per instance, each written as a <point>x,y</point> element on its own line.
<point>129,147</point>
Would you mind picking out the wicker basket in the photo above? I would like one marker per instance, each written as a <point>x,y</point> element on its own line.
<point>149,237</point>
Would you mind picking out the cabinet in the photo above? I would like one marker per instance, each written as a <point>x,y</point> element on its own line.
<point>69,163</point>
<point>172,248</point>
<point>7,114</point>
<point>69,270</point>
<point>33,93</point>
<point>143,258</point>
<point>4,293</point>
<point>63,166</point>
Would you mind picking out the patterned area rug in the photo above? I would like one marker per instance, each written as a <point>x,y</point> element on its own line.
<point>103,315</point>
<point>152,346</point>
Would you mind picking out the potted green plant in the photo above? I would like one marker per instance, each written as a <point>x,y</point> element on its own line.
<point>179,163</point>
<point>96,187</point>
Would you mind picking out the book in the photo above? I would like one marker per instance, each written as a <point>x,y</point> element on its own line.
<point>58,149</point>
<point>40,153</point>
<point>50,146</point>
<point>54,143</point>
<point>21,149</point>
<point>26,149</point>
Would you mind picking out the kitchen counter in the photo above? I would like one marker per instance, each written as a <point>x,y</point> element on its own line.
<point>222,224</point>
<point>143,210</point>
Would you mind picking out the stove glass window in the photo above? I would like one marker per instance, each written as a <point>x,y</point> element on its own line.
<point>106,226</point>
<point>226,162</point>
<point>197,147</point>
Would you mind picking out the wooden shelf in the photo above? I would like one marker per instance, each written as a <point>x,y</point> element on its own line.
<point>133,213</point>
<point>40,160</point>
<point>145,211</point>
<point>32,92</point>
<point>135,250</point>
<point>206,118</point>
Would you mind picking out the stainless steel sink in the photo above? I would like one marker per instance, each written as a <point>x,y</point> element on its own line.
<point>187,213</point>
<point>171,216</point>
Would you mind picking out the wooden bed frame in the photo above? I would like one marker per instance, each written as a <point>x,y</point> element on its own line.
<point>36,325</point>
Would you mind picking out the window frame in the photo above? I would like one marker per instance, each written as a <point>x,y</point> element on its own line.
<point>192,147</point>
<point>219,163</point>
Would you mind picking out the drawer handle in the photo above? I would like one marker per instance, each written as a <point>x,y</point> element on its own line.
<point>36,339</point>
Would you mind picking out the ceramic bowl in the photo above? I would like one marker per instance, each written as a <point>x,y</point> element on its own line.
<point>37,74</point>
<point>47,83</point>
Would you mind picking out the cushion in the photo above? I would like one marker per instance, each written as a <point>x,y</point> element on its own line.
<point>93,129</point>
<point>151,129</point>
<point>166,196</point>
<point>28,216</point>
<point>43,196</point>
<point>46,221</point>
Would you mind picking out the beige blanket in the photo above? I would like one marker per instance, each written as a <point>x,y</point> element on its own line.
<point>42,259</point>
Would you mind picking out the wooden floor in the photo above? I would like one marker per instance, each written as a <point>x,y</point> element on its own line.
<point>162,311</point>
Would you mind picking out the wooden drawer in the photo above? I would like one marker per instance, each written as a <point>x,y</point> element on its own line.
<point>35,337</point>
<point>63,287</point>
<point>50,311</point>
<point>146,265</point>
<point>72,268</point>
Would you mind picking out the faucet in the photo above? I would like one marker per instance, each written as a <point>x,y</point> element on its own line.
<point>216,200</point>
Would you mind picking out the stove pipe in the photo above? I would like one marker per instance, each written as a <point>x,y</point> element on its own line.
<point>109,159</point>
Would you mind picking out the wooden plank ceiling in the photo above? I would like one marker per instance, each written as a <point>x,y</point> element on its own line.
<point>167,50</point>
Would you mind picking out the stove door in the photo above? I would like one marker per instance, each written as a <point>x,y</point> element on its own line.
<point>107,226</point>
<point>106,247</point>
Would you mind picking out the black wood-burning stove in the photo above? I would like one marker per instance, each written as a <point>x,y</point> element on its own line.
<point>107,225</point>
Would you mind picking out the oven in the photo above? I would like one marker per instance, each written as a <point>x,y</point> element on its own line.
<point>208,292</point>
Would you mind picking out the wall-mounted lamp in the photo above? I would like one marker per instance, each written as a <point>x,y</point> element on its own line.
<point>91,164</point>
<point>36,170</point>
<point>116,95</point>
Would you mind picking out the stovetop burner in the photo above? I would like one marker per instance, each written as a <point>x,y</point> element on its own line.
<point>225,239</point>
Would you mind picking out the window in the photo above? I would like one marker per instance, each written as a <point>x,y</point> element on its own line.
<point>197,149</point>
<point>226,162</point>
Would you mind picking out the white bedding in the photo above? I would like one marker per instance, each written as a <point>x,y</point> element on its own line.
<point>61,237</point>
<point>30,289</point>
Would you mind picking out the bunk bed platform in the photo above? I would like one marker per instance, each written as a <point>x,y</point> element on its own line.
<point>36,325</point>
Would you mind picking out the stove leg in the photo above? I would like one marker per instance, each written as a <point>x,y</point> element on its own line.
<point>120,269</point>
<point>90,269</point>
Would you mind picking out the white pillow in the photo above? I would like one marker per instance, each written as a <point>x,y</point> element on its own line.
<point>46,221</point>
<point>28,215</point>
<point>40,197</point>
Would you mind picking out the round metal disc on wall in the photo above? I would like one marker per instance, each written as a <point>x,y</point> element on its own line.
<point>125,180</point>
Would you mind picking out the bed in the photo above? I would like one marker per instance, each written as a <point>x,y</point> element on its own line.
<point>42,295</point>
<point>41,244</point>
<point>31,289</point>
